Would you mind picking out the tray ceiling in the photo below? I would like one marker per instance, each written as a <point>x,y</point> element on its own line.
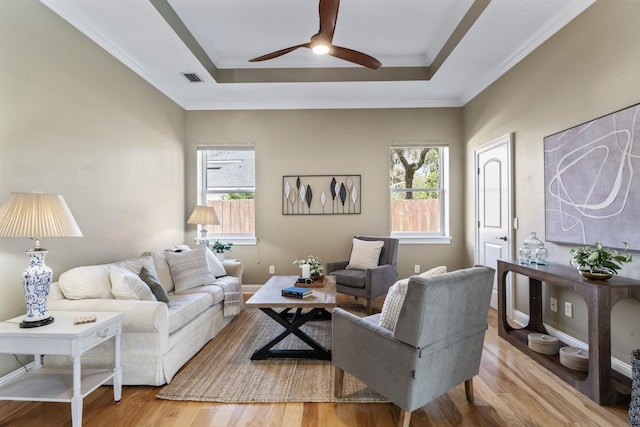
<point>434,53</point>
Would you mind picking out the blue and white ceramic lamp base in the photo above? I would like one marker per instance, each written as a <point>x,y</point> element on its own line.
<point>37,281</point>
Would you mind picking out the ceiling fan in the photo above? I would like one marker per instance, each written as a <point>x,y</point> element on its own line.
<point>321,41</point>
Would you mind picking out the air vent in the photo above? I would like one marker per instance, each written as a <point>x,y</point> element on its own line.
<point>192,77</point>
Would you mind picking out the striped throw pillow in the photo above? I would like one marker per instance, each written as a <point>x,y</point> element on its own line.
<point>365,254</point>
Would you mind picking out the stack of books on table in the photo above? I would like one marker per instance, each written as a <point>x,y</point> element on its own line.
<point>296,292</point>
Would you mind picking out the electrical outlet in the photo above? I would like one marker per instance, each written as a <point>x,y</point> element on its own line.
<point>272,269</point>
<point>553,305</point>
<point>416,268</point>
<point>568,309</point>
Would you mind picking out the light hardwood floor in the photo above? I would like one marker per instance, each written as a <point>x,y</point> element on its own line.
<point>511,390</point>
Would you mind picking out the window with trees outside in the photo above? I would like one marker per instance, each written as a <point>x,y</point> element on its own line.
<point>227,182</point>
<point>418,183</point>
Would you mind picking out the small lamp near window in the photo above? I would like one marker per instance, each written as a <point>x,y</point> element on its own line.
<point>37,215</point>
<point>203,215</point>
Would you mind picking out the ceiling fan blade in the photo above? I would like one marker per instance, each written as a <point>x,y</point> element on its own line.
<point>328,11</point>
<point>355,57</point>
<point>279,53</point>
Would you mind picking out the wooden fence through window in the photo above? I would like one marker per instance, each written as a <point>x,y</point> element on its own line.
<point>419,215</point>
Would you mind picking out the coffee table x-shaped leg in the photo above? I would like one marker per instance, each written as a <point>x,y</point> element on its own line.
<point>292,323</point>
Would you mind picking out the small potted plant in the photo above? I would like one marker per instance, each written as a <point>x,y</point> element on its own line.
<point>315,266</point>
<point>598,262</point>
<point>219,248</point>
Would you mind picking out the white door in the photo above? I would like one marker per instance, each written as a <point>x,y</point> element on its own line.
<point>494,207</point>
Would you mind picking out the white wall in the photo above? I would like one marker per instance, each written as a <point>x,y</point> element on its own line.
<point>75,121</point>
<point>589,69</point>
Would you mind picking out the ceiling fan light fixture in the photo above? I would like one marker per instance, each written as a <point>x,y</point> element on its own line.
<point>320,49</point>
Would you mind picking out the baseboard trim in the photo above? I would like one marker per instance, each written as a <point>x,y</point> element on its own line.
<point>250,289</point>
<point>616,364</point>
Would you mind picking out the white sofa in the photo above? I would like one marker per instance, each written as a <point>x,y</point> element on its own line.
<point>157,338</point>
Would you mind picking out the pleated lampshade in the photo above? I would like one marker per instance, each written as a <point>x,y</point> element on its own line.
<point>204,215</point>
<point>37,215</point>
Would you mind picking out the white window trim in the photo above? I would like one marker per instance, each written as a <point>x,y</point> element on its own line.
<point>236,239</point>
<point>412,238</point>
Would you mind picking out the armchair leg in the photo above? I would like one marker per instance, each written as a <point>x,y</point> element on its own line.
<point>405,418</point>
<point>468,389</point>
<point>338,381</point>
<point>370,306</point>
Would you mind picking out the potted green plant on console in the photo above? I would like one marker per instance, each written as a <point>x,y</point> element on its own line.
<point>598,262</point>
<point>219,248</point>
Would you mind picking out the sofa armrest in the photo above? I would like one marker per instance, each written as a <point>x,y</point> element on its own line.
<point>335,266</point>
<point>139,316</point>
<point>233,268</point>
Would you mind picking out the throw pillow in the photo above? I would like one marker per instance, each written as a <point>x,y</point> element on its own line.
<point>392,304</point>
<point>216,267</point>
<point>154,284</point>
<point>395,298</point>
<point>189,269</point>
<point>86,282</point>
<point>365,254</point>
<point>126,285</point>
<point>434,271</point>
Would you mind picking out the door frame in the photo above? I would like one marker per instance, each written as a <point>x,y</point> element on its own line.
<point>508,141</point>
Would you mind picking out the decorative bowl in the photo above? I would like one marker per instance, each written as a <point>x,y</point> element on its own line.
<point>595,276</point>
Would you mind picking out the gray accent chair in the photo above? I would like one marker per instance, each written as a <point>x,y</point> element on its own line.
<point>436,344</point>
<point>372,282</point>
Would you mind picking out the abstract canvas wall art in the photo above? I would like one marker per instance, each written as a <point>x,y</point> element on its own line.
<point>591,177</point>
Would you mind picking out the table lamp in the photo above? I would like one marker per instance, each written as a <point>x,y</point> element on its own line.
<point>37,215</point>
<point>203,215</point>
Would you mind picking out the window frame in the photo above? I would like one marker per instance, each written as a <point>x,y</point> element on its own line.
<point>413,237</point>
<point>202,189</point>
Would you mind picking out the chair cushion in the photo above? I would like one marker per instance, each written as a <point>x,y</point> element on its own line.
<point>189,269</point>
<point>129,286</point>
<point>395,298</point>
<point>351,278</point>
<point>365,254</point>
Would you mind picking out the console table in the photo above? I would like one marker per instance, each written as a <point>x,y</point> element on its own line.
<point>62,337</point>
<point>601,384</point>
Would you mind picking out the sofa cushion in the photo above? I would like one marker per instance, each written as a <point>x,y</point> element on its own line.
<point>189,269</point>
<point>154,284</point>
<point>183,308</point>
<point>216,292</point>
<point>216,267</point>
<point>128,285</point>
<point>365,254</point>
<point>94,281</point>
<point>395,298</point>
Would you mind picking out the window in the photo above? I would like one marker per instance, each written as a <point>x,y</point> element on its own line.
<point>227,182</point>
<point>419,201</point>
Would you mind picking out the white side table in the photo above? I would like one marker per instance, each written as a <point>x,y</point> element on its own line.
<point>62,337</point>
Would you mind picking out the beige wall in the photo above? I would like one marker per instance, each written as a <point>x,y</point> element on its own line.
<point>588,69</point>
<point>323,142</point>
<point>75,121</point>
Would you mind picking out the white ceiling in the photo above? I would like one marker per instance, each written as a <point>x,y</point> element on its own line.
<point>405,35</point>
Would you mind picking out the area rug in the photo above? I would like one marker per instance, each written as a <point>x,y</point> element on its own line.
<point>223,371</point>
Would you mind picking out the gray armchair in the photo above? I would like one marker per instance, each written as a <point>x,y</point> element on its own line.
<point>436,344</point>
<point>372,282</point>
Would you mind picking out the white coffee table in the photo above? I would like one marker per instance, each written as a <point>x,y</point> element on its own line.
<point>62,337</point>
